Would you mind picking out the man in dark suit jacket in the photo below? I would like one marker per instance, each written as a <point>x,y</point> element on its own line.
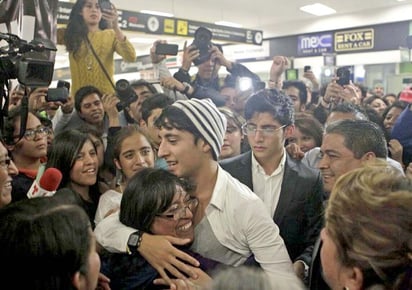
<point>292,191</point>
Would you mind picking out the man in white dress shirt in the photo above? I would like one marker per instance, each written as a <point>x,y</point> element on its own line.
<point>231,222</point>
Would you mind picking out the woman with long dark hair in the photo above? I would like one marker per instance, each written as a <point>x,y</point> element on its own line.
<point>74,154</point>
<point>132,152</point>
<point>93,29</point>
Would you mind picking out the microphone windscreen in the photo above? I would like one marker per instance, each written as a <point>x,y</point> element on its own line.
<point>51,178</point>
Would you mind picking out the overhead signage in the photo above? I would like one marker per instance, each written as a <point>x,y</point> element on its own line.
<point>352,40</point>
<point>153,24</point>
<point>315,44</point>
<point>246,52</point>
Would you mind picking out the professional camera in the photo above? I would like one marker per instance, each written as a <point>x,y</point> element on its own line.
<point>125,93</point>
<point>203,42</point>
<point>15,65</point>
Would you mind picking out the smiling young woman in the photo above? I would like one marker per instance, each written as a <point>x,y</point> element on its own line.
<point>74,154</point>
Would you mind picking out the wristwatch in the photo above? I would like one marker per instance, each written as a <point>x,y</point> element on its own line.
<point>133,243</point>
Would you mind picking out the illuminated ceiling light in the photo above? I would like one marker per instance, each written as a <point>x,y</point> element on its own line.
<point>230,24</point>
<point>159,13</point>
<point>318,9</point>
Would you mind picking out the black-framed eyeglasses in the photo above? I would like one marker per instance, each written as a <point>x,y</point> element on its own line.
<point>179,212</point>
<point>250,129</point>
<point>30,134</point>
<point>5,163</point>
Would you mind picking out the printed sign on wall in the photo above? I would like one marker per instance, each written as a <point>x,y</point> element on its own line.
<point>315,44</point>
<point>350,40</point>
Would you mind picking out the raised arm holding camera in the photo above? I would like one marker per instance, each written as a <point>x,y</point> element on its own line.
<point>208,57</point>
<point>91,45</point>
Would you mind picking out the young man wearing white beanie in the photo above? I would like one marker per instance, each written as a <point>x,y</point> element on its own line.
<point>231,221</point>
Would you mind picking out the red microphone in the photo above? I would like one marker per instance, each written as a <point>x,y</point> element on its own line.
<point>47,185</point>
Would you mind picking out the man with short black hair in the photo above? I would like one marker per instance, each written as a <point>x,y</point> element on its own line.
<point>347,145</point>
<point>296,90</point>
<point>132,113</point>
<point>291,191</point>
<point>151,109</point>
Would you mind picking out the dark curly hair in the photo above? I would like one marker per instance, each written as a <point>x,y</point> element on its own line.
<point>271,101</point>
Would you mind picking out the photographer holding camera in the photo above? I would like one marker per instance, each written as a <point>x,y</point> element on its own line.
<point>208,57</point>
<point>131,97</point>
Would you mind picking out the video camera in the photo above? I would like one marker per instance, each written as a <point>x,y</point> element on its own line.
<point>203,42</point>
<point>29,71</point>
<point>125,93</point>
<point>15,65</point>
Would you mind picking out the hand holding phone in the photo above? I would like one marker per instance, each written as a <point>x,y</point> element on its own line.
<point>344,75</point>
<point>57,95</point>
<point>166,49</point>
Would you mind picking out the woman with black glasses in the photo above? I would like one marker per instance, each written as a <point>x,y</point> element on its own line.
<point>28,150</point>
<point>154,201</point>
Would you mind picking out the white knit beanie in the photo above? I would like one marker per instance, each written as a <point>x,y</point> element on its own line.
<point>207,119</point>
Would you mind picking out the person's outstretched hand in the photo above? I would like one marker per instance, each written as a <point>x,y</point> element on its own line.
<point>162,255</point>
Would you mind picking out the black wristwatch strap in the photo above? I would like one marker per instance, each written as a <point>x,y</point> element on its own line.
<point>134,241</point>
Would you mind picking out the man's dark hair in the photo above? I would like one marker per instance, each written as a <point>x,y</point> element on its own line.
<point>363,89</point>
<point>82,93</point>
<point>357,111</point>
<point>271,101</point>
<point>360,137</point>
<point>303,94</point>
<point>157,101</point>
<point>144,83</point>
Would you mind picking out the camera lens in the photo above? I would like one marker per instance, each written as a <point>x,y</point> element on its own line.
<point>122,85</point>
<point>202,41</point>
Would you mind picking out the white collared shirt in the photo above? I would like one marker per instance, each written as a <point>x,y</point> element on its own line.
<point>268,187</point>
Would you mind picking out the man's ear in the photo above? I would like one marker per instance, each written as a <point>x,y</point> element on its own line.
<point>289,131</point>
<point>205,147</point>
<point>302,107</point>
<point>77,280</point>
<point>368,156</point>
<point>353,278</point>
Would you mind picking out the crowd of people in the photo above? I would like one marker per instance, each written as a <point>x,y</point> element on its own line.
<point>204,184</point>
